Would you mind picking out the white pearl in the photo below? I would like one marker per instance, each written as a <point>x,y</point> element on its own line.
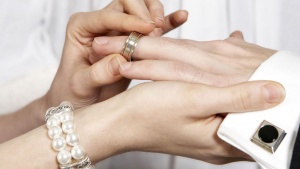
<point>78,152</point>
<point>57,115</point>
<point>54,132</point>
<point>66,116</point>
<point>59,143</point>
<point>68,127</point>
<point>52,122</point>
<point>64,157</point>
<point>72,139</point>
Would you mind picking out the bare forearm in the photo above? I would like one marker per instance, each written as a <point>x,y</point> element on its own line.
<point>97,134</point>
<point>23,120</point>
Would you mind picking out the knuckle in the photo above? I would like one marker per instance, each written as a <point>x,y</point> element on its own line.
<point>241,100</point>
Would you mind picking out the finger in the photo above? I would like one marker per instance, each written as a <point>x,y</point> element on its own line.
<point>172,21</point>
<point>147,48</point>
<point>103,45</point>
<point>137,8</point>
<point>103,72</point>
<point>245,97</point>
<point>157,70</point>
<point>105,20</point>
<point>156,10</point>
<point>237,34</point>
<point>156,48</point>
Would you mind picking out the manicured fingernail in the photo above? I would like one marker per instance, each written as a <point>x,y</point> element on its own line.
<point>126,65</point>
<point>159,18</point>
<point>273,93</point>
<point>113,66</point>
<point>101,40</point>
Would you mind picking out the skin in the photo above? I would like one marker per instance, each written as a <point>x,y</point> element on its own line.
<point>184,125</point>
<point>217,63</point>
<point>81,79</point>
<point>147,125</point>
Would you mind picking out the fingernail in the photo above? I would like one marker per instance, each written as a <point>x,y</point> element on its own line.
<point>101,40</point>
<point>126,65</point>
<point>273,93</point>
<point>151,22</point>
<point>113,66</point>
<point>159,18</point>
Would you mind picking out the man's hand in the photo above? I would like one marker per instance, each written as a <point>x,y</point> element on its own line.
<point>183,118</point>
<point>218,63</point>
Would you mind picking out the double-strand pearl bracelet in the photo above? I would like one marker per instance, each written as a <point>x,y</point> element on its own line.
<point>60,123</point>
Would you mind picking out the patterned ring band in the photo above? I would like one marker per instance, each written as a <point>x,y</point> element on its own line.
<point>130,45</point>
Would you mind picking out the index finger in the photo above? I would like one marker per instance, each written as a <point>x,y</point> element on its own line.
<point>98,22</point>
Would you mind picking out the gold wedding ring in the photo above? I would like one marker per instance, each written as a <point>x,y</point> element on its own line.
<point>130,45</point>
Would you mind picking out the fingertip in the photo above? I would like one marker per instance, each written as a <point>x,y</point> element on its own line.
<point>178,18</point>
<point>237,34</point>
<point>273,93</point>
<point>182,16</point>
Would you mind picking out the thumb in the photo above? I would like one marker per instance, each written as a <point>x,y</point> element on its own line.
<point>103,72</point>
<point>237,34</point>
<point>249,96</point>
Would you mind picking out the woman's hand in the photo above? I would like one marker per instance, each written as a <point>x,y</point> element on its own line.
<point>218,63</point>
<point>82,77</point>
<point>177,118</point>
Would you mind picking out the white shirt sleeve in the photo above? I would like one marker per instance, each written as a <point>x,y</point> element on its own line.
<point>239,129</point>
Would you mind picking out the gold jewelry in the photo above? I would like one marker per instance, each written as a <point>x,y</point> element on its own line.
<point>130,45</point>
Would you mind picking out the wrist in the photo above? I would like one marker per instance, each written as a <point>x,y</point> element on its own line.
<point>42,106</point>
<point>35,111</point>
<point>99,130</point>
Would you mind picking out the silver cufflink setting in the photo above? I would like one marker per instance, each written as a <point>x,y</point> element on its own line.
<point>268,136</point>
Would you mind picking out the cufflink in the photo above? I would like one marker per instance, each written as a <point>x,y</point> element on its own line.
<point>268,136</point>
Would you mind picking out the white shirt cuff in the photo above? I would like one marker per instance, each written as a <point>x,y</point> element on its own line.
<point>238,129</point>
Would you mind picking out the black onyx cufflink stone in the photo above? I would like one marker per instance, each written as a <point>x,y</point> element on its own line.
<point>268,136</point>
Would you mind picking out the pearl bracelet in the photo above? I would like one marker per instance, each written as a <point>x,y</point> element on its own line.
<point>60,123</point>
